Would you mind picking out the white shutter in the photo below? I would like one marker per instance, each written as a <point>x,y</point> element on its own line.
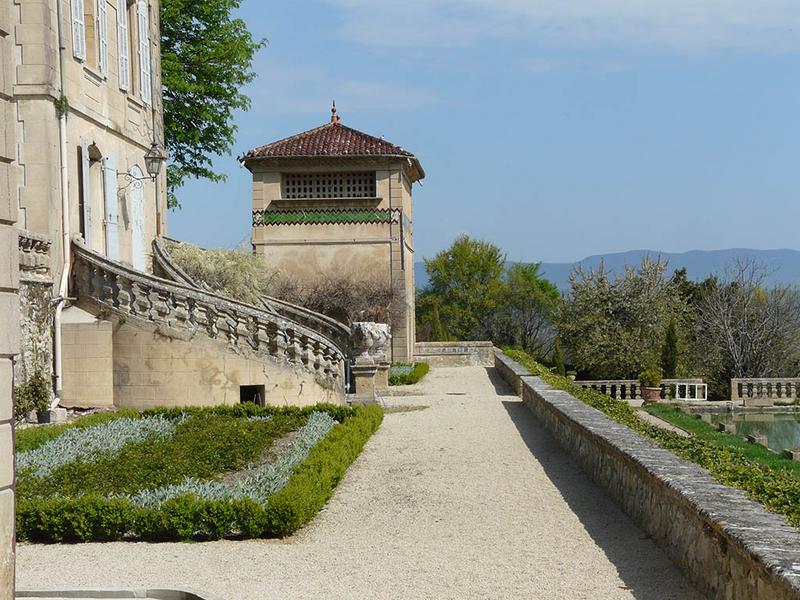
<point>87,197</point>
<point>122,45</point>
<point>78,30</point>
<point>111,202</point>
<point>102,35</point>
<point>144,53</point>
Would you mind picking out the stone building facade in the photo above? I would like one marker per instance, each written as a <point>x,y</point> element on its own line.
<point>98,63</point>
<point>9,311</point>
<point>336,200</point>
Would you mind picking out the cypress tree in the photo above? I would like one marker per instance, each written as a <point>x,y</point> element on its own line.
<point>558,360</point>
<point>669,351</point>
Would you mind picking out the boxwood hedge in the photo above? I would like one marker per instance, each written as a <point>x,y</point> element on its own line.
<point>93,517</point>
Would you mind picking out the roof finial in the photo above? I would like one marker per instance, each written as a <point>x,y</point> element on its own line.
<point>334,117</point>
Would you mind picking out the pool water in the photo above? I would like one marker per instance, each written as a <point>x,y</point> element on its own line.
<point>782,429</point>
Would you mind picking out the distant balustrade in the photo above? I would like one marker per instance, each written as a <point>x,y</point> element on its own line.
<point>189,311</point>
<point>768,388</point>
<point>631,389</point>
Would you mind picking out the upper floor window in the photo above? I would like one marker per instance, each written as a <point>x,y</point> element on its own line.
<point>145,82</point>
<point>330,185</point>
<point>123,49</point>
<point>90,33</point>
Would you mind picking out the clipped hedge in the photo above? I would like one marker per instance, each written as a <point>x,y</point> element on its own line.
<point>777,489</point>
<point>98,518</point>
<point>407,373</point>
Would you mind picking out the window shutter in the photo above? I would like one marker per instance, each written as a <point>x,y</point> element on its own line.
<point>102,34</point>
<point>111,202</point>
<point>87,197</point>
<point>144,53</point>
<point>78,31</point>
<point>122,45</point>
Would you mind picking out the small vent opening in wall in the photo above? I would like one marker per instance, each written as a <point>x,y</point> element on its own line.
<point>257,394</point>
<point>330,185</point>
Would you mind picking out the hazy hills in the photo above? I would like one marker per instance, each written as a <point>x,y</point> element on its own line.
<point>784,265</point>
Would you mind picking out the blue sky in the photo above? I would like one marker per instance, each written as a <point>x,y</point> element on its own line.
<point>555,129</point>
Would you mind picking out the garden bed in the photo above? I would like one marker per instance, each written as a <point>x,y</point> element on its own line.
<point>179,474</point>
<point>407,373</point>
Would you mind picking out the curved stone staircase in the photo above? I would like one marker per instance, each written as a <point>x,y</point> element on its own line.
<point>175,343</point>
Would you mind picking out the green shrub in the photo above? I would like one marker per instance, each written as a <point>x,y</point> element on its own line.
<point>407,373</point>
<point>314,480</point>
<point>650,378</point>
<point>778,489</point>
<point>33,395</point>
<point>201,447</point>
<point>100,518</point>
<point>558,360</point>
<point>248,409</point>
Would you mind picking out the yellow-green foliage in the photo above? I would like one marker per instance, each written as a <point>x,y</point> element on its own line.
<point>236,274</point>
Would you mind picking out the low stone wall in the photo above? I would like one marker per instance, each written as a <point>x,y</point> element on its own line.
<point>728,546</point>
<point>455,354</point>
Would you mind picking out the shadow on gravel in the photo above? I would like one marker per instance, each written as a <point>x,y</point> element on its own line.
<point>501,388</point>
<point>647,572</point>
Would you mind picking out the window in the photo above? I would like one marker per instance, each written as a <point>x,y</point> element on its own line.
<point>330,185</point>
<point>102,37</point>
<point>78,30</point>
<point>144,53</point>
<point>90,27</point>
<point>123,56</point>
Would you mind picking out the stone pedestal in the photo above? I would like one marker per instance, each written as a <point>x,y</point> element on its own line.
<point>382,376</point>
<point>364,374</point>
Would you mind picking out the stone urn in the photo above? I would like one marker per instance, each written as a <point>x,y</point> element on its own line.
<point>651,394</point>
<point>370,341</point>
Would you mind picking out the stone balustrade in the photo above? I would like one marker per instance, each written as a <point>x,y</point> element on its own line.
<point>34,256</point>
<point>765,388</point>
<point>631,389</point>
<point>331,328</point>
<point>183,312</point>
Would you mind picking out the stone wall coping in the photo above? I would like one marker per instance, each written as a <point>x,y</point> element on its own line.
<point>767,538</point>
<point>454,344</point>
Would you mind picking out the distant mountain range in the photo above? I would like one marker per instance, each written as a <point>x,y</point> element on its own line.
<point>784,265</point>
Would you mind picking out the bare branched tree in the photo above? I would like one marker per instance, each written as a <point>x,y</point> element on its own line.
<point>748,328</point>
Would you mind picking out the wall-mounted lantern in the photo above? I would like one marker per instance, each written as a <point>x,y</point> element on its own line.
<point>153,159</point>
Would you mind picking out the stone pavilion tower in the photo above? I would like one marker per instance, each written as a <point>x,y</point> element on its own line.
<point>336,200</point>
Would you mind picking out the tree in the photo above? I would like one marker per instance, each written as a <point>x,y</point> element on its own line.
<point>613,326</point>
<point>558,360</point>
<point>206,60</point>
<point>466,286</point>
<point>524,315</point>
<point>669,351</point>
<point>746,329</point>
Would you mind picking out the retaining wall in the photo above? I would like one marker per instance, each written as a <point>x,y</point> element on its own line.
<point>455,354</point>
<point>729,546</point>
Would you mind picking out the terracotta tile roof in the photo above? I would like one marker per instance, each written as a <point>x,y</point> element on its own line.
<point>332,139</point>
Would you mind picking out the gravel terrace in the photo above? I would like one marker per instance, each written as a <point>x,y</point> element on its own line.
<point>469,498</point>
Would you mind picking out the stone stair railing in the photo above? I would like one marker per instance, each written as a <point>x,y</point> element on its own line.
<point>331,328</point>
<point>631,389</point>
<point>187,311</point>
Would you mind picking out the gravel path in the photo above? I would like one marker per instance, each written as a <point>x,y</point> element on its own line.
<point>469,498</point>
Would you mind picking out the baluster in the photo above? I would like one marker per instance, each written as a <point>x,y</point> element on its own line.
<point>125,295</point>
